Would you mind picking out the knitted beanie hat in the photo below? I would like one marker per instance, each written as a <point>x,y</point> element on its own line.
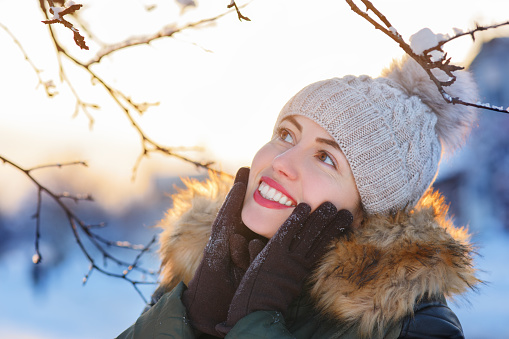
<point>392,129</point>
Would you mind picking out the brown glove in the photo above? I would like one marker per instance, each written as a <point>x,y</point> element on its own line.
<point>278,273</point>
<point>225,260</point>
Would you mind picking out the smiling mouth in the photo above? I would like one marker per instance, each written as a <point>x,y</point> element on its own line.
<point>270,193</point>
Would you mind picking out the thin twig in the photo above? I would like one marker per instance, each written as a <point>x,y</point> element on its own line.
<point>165,32</point>
<point>37,258</point>
<point>58,165</point>
<point>239,15</point>
<point>425,60</point>
<point>49,86</point>
<point>471,33</point>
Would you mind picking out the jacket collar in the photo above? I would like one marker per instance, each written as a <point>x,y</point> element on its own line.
<point>371,278</point>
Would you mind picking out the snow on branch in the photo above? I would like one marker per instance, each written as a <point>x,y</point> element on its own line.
<point>426,48</point>
<point>82,230</point>
<point>58,17</point>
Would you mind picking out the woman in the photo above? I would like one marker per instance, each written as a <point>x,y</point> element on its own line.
<point>281,261</point>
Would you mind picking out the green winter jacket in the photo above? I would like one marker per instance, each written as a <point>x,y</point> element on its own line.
<point>167,319</point>
<point>389,279</point>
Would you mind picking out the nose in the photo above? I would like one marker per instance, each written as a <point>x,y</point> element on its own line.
<point>286,164</point>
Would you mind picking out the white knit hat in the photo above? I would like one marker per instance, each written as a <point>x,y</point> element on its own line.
<point>391,129</point>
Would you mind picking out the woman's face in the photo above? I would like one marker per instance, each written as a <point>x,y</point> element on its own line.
<point>302,163</point>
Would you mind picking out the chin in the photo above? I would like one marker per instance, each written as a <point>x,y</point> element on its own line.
<point>263,221</point>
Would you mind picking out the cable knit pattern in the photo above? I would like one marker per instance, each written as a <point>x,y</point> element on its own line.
<point>387,134</point>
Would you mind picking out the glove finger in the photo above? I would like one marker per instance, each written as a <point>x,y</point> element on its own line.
<point>337,227</point>
<point>255,247</point>
<point>242,175</point>
<point>239,251</point>
<point>341,224</point>
<point>229,214</point>
<point>235,198</point>
<point>292,225</point>
<point>244,231</point>
<point>344,219</point>
<point>313,227</point>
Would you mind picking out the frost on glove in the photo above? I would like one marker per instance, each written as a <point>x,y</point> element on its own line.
<point>277,275</point>
<point>225,260</point>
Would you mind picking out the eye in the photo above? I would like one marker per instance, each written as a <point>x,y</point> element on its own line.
<point>325,158</point>
<point>285,135</point>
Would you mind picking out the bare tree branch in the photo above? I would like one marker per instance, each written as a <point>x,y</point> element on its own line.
<point>79,226</point>
<point>425,59</point>
<point>81,230</point>
<point>165,32</point>
<point>125,103</point>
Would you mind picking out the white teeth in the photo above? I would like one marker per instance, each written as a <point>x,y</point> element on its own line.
<point>271,193</point>
<point>264,189</point>
<point>277,196</point>
<point>283,200</point>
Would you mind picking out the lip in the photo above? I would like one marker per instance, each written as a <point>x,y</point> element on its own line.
<point>269,203</point>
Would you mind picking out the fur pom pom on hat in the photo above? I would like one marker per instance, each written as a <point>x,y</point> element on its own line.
<point>391,129</point>
<point>454,122</point>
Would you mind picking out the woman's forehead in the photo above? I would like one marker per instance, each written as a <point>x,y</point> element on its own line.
<point>303,123</point>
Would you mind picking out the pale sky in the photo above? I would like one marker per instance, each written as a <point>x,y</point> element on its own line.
<point>219,87</point>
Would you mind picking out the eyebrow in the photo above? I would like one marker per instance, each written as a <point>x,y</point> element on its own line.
<point>329,142</point>
<point>321,140</point>
<point>293,121</point>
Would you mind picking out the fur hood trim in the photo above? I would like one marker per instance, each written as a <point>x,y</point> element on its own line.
<point>187,227</point>
<point>377,275</point>
<point>371,278</point>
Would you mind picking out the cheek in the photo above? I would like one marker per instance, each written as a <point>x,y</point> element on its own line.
<point>263,157</point>
<point>338,191</point>
<point>261,161</point>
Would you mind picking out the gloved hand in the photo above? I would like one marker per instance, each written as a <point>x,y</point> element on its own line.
<point>225,260</point>
<point>278,273</point>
